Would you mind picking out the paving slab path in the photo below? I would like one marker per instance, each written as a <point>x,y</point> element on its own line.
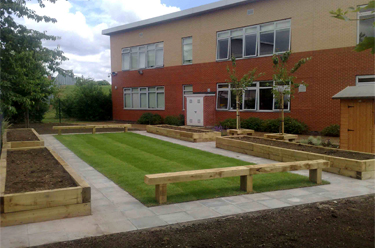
<point>114,210</point>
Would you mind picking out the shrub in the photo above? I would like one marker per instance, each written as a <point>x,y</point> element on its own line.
<point>173,120</point>
<point>150,119</point>
<point>146,118</point>
<point>87,102</point>
<point>292,126</point>
<point>332,130</point>
<point>229,123</point>
<point>252,123</point>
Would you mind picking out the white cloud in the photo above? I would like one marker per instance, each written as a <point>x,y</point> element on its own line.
<point>80,23</point>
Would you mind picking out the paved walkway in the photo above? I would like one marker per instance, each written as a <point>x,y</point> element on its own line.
<point>114,210</point>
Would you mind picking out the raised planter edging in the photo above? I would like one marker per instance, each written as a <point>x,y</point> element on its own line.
<point>184,135</point>
<point>23,144</point>
<point>37,206</point>
<point>360,169</point>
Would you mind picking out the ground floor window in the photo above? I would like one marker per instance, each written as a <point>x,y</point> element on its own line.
<point>144,98</point>
<point>365,80</point>
<point>257,97</point>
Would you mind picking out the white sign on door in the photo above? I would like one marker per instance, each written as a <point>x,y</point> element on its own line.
<point>194,111</point>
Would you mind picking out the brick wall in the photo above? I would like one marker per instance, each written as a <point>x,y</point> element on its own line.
<point>329,72</point>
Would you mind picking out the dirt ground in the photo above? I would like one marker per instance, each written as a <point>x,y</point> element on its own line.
<point>307,148</point>
<point>341,223</point>
<point>21,135</point>
<point>46,128</point>
<point>34,170</point>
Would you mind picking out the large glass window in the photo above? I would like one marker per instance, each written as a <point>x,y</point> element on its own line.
<point>187,50</point>
<point>257,97</point>
<point>258,40</point>
<point>365,26</point>
<point>186,90</point>
<point>144,98</point>
<point>142,57</point>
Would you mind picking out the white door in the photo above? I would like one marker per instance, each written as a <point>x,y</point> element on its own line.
<point>194,111</point>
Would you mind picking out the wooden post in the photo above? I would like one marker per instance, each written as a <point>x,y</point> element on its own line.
<point>282,114</point>
<point>315,176</point>
<point>94,130</point>
<point>237,112</point>
<point>125,129</point>
<point>59,131</point>
<point>246,183</point>
<point>161,193</point>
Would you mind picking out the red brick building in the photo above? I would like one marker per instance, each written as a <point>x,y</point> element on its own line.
<point>157,62</point>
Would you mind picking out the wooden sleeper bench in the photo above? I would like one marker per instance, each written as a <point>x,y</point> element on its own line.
<point>233,132</point>
<point>93,127</point>
<point>244,172</point>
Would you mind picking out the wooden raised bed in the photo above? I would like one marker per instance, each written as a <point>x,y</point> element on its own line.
<point>355,168</point>
<point>184,133</point>
<point>25,143</point>
<point>43,205</point>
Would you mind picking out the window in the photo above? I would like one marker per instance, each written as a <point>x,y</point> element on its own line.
<point>144,98</point>
<point>141,57</point>
<point>365,80</point>
<point>187,50</point>
<point>186,90</point>
<point>257,97</point>
<point>366,28</point>
<point>260,40</point>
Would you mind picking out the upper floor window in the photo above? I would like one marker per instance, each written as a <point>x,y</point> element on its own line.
<point>366,24</point>
<point>365,80</point>
<point>142,57</point>
<point>257,97</point>
<point>259,40</point>
<point>187,50</point>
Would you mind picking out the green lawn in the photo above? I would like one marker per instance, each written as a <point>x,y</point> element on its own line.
<point>126,158</point>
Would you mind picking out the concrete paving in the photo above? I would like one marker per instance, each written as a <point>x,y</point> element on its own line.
<point>114,210</point>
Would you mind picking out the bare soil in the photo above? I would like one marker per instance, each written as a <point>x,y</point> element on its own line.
<point>341,223</point>
<point>191,130</point>
<point>307,148</point>
<point>46,128</point>
<point>21,135</point>
<point>34,170</point>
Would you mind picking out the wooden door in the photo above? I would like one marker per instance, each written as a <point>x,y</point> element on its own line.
<point>360,125</point>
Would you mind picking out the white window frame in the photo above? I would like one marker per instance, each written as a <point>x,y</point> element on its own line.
<point>128,50</point>
<point>183,94</point>
<point>257,98</point>
<point>258,32</point>
<point>183,54</point>
<point>359,15</point>
<point>157,91</point>
<point>364,76</point>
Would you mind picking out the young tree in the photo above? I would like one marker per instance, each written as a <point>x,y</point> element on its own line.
<point>285,82</point>
<point>238,86</point>
<point>25,63</point>
<point>366,42</point>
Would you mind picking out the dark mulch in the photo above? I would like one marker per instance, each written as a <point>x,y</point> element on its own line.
<point>342,223</point>
<point>21,135</point>
<point>34,170</point>
<point>306,148</point>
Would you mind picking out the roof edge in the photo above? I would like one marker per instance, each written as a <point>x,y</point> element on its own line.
<point>177,15</point>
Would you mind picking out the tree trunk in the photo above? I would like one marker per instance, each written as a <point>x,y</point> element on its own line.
<point>27,122</point>
<point>238,112</point>
<point>282,114</point>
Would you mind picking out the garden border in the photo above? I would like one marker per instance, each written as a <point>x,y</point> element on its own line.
<point>360,169</point>
<point>23,144</point>
<point>205,136</point>
<point>37,206</point>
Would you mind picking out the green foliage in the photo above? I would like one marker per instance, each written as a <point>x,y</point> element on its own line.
<point>253,123</point>
<point>87,102</point>
<point>25,63</point>
<point>150,119</point>
<point>332,130</point>
<point>174,120</point>
<point>82,80</point>
<point>36,113</point>
<point>228,123</point>
<point>367,42</point>
<point>292,126</point>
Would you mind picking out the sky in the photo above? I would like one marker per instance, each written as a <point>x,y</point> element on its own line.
<point>80,24</point>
